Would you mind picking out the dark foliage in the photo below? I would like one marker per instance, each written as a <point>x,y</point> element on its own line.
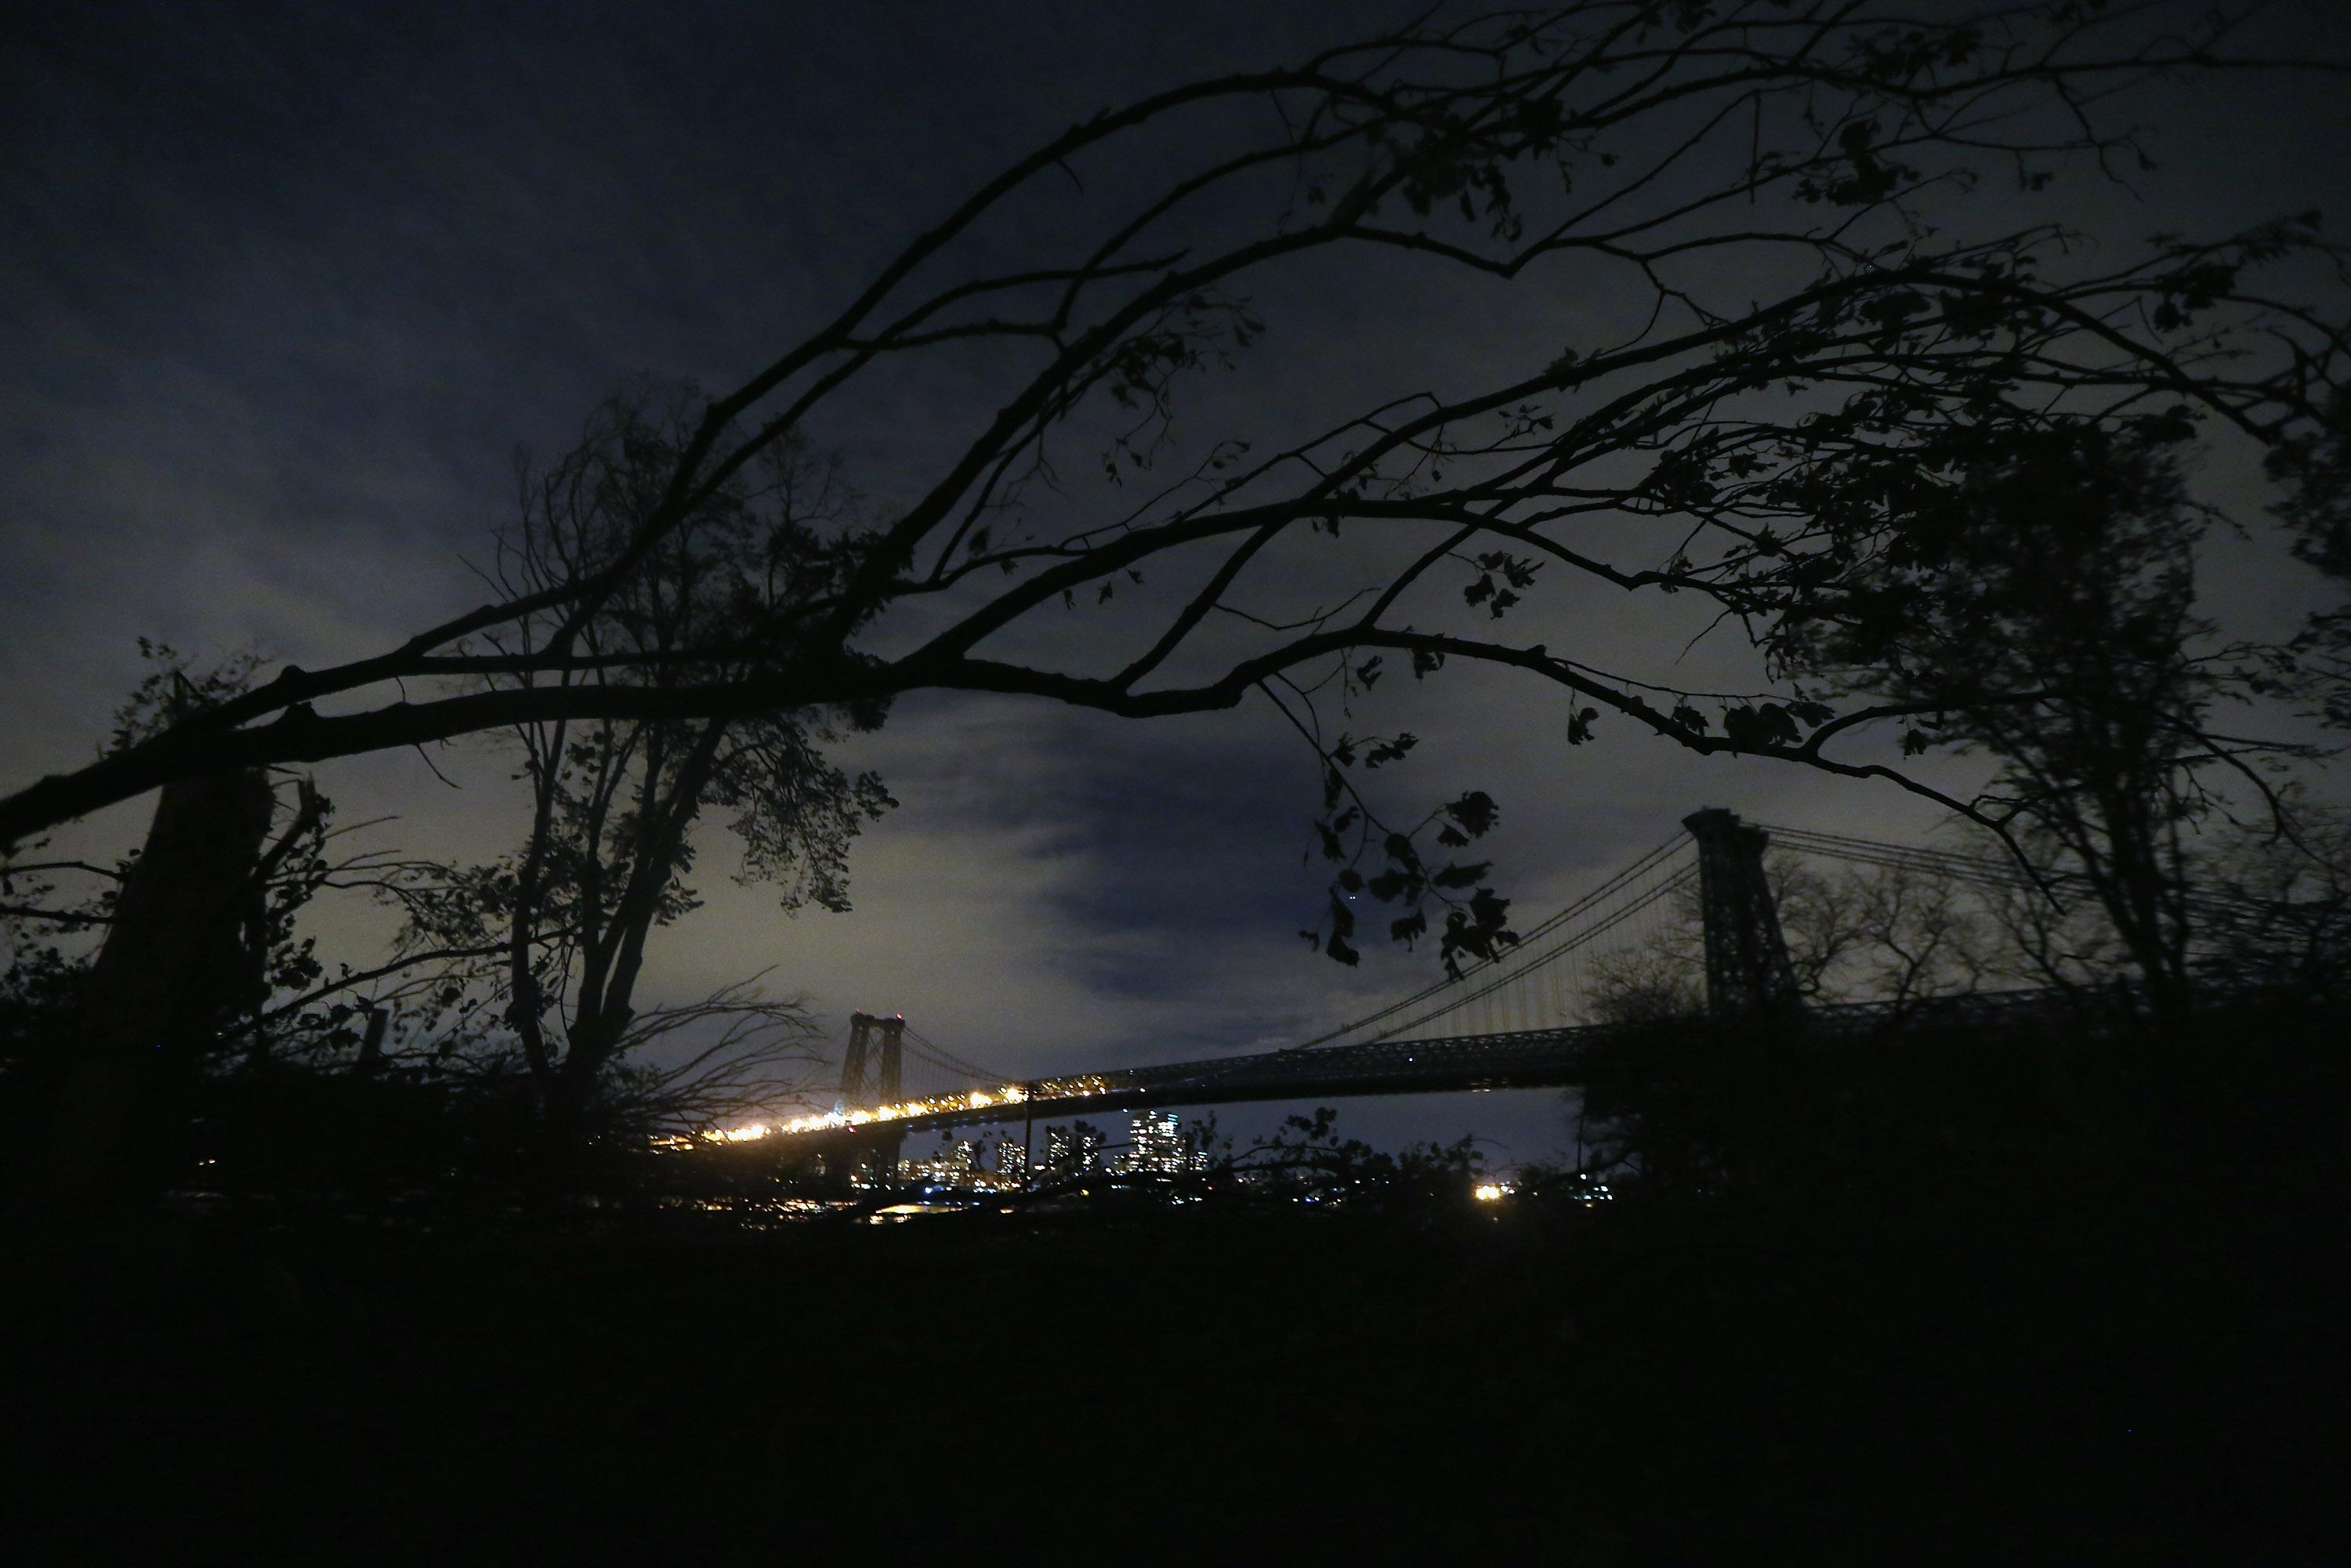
<point>1972,1351</point>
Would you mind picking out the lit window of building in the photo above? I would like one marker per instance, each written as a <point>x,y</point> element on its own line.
<point>1069,1151</point>
<point>1158,1144</point>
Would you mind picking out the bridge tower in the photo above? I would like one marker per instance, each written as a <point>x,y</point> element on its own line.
<point>852,1060</point>
<point>1746,965</point>
<point>880,1042</point>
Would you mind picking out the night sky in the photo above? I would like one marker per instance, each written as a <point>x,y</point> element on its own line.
<point>286,289</point>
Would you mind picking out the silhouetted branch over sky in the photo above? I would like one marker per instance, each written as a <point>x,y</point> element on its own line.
<point>1593,367</point>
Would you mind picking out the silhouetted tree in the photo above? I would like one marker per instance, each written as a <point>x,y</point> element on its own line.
<point>614,800</point>
<point>1829,321</point>
<point>2282,914</point>
<point>2038,600</point>
<point>2314,464</point>
<point>129,986</point>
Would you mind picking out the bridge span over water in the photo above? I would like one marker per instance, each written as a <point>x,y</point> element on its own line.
<point>1521,1020</point>
<point>1540,1058</point>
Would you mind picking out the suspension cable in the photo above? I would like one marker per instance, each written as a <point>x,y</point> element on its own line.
<point>1521,960</point>
<point>1980,870</point>
<point>1606,890</point>
<point>1615,917</point>
<point>938,1055</point>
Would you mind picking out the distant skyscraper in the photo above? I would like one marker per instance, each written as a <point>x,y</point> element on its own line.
<point>1158,1139</point>
<point>950,1166</point>
<point>1071,1150</point>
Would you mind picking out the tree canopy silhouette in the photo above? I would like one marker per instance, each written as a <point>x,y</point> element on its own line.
<point>1833,303</point>
<point>554,934</point>
<point>2041,604</point>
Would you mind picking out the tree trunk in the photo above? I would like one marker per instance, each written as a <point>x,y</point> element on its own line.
<point>174,963</point>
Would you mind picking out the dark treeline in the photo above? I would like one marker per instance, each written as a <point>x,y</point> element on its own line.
<point>2022,1294</point>
<point>2060,1289</point>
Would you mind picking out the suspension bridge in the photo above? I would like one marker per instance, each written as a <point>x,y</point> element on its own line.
<point>1529,1017</point>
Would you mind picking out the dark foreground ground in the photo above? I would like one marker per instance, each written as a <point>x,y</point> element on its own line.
<point>2154,1381</point>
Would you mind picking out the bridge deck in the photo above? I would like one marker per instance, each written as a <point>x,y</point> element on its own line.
<point>1518,1058</point>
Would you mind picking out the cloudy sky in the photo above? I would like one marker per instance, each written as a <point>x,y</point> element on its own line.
<point>286,287</point>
